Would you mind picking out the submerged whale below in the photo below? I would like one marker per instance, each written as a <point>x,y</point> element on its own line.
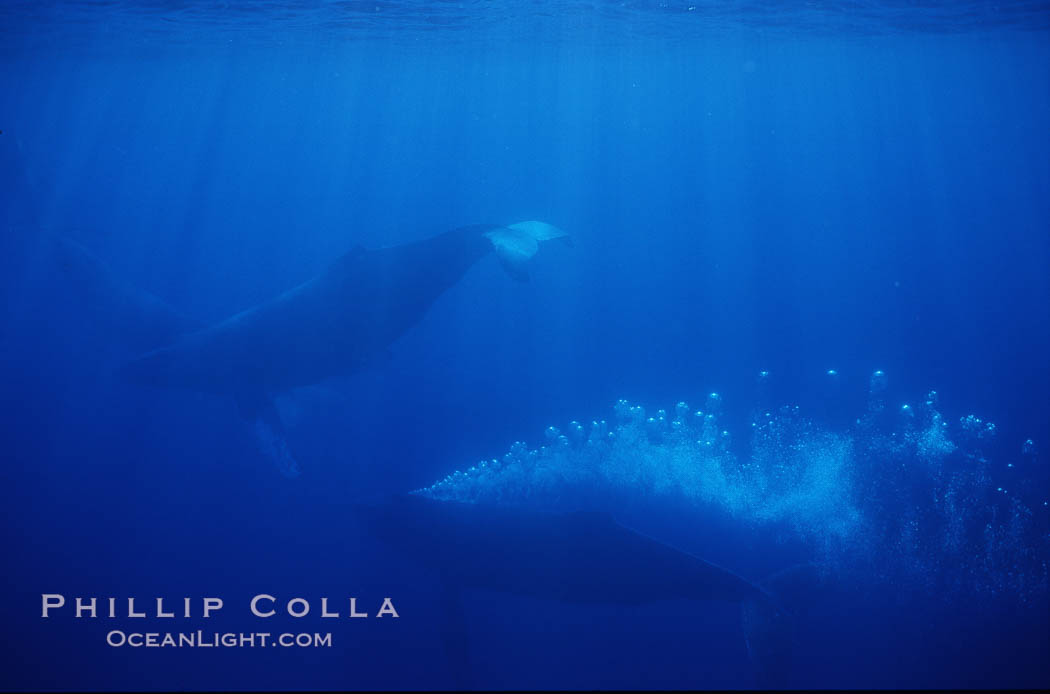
<point>579,557</point>
<point>329,326</point>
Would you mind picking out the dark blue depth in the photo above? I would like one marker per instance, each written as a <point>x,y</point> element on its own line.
<point>747,191</point>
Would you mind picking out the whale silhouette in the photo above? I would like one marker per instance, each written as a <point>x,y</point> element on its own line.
<point>577,557</point>
<point>335,322</point>
<point>331,325</point>
<point>582,556</point>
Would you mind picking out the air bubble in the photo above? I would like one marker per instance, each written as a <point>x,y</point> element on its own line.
<point>681,411</point>
<point>878,382</point>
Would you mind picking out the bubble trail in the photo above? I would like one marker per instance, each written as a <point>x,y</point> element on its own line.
<point>907,498</point>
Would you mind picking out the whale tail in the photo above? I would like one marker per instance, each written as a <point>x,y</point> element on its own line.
<point>141,320</point>
<point>515,244</point>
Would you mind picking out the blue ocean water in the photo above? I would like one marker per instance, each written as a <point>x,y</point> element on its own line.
<point>855,187</point>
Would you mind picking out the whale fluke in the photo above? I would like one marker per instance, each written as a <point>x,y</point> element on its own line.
<point>141,319</point>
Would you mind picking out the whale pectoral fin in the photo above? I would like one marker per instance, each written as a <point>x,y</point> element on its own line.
<point>541,231</point>
<point>269,432</point>
<point>516,244</point>
<point>768,618</point>
<point>514,251</point>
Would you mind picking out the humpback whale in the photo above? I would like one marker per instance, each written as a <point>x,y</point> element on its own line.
<point>328,326</point>
<point>580,557</point>
<point>335,322</point>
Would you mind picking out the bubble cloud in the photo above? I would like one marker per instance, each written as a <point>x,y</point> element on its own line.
<point>908,498</point>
